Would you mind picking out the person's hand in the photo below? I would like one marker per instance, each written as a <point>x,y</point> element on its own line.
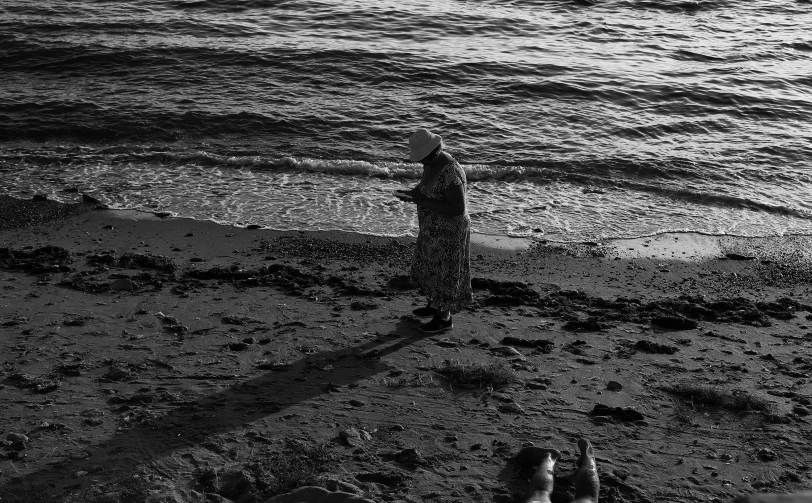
<point>403,195</point>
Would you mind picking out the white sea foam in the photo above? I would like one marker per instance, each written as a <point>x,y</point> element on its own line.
<point>355,196</point>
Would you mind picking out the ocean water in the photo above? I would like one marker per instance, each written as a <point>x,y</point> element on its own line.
<point>574,120</point>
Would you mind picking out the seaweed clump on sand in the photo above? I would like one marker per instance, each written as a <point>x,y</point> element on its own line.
<point>280,275</point>
<point>682,313</point>
<point>723,398</point>
<point>133,261</point>
<point>479,374</point>
<point>47,259</point>
<point>506,293</point>
<point>293,279</point>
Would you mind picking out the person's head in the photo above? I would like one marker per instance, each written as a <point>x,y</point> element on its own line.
<point>424,146</point>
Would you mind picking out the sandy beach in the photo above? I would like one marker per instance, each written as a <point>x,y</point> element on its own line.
<point>160,359</point>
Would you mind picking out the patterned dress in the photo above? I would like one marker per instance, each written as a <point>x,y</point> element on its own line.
<point>441,266</point>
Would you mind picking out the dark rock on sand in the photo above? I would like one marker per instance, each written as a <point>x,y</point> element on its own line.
<point>625,414</point>
<point>351,436</point>
<point>591,324</point>
<point>171,324</point>
<point>409,456</point>
<point>674,322</point>
<point>655,348</point>
<point>237,346</point>
<point>614,386</point>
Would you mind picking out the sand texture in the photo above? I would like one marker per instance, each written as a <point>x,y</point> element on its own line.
<point>149,359</point>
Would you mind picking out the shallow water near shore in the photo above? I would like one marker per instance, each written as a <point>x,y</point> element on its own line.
<point>290,194</point>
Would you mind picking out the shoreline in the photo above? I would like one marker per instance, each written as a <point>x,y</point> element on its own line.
<point>667,245</point>
<point>687,245</point>
<point>180,357</point>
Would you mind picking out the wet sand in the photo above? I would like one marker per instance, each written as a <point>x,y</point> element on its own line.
<point>188,361</point>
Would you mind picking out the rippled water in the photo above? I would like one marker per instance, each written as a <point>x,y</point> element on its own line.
<point>574,120</point>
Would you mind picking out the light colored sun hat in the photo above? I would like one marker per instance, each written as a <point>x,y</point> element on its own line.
<point>422,142</point>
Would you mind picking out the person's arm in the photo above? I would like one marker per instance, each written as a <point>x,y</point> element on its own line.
<point>453,204</point>
<point>415,191</point>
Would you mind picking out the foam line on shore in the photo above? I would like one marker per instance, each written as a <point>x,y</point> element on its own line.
<point>682,246</point>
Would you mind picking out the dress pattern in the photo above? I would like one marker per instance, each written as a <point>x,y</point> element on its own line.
<point>441,265</point>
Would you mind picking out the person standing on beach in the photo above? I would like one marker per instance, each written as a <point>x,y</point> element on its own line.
<point>441,265</point>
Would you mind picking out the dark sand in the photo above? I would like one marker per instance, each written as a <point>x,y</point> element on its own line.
<point>149,359</point>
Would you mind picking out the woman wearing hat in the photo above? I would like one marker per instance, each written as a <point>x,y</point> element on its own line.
<point>441,265</point>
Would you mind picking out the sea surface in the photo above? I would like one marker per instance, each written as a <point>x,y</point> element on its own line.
<point>574,120</point>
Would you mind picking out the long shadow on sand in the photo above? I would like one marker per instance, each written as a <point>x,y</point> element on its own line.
<point>227,410</point>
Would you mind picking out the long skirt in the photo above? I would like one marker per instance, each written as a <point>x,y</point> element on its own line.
<point>441,266</point>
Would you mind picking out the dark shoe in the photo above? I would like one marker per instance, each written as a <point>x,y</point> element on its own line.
<point>436,325</point>
<point>424,312</point>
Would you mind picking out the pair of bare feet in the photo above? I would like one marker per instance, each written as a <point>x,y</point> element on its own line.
<point>587,484</point>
